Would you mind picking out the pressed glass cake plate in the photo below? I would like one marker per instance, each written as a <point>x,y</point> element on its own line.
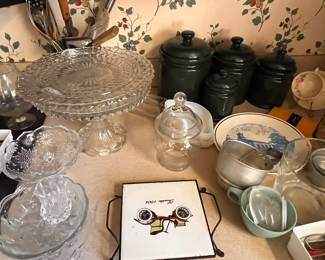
<point>88,83</point>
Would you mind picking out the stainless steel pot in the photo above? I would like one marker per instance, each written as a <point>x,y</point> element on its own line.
<point>243,165</point>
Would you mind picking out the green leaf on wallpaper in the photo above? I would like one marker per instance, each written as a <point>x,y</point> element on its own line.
<point>15,45</point>
<point>257,20</point>
<point>214,34</point>
<point>278,37</point>
<point>122,38</point>
<point>318,44</point>
<point>295,28</point>
<point>90,20</point>
<point>300,37</point>
<point>286,33</point>
<point>253,12</point>
<point>71,2</point>
<point>267,17</point>
<point>82,12</point>
<point>4,48</point>
<point>286,41</point>
<point>172,6</point>
<point>142,51</point>
<point>181,2</point>
<point>22,60</point>
<point>288,9</point>
<point>136,42</point>
<point>269,1</point>
<point>247,2</point>
<point>130,34</point>
<point>137,28</point>
<point>7,36</point>
<point>133,48</point>
<point>147,38</point>
<point>120,8</point>
<point>73,11</point>
<point>245,11</point>
<point>129,11</point>
<point>163,2</point>
<point>266,10</point>
<point>190,3</point>
<point>294,11</point>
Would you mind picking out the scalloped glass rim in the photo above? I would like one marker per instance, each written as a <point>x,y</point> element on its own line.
<point>133,86</point>
<point>30,136</point>
<point>21,189</point>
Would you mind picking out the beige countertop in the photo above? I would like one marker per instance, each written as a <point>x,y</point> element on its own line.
<point>135,162</point>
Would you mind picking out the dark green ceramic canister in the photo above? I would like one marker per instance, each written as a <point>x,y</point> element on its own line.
<point>218,95</point>
<point>271,80</point>
<point>238,60</point>
<point>185,63</point>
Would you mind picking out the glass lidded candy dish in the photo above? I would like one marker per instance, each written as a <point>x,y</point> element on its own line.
<point>86,84</point>
<point>45,218</point>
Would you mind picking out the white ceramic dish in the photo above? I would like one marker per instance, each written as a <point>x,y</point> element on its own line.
<point>308,89</point>
<point>205,138</point>
<point>259,130</point>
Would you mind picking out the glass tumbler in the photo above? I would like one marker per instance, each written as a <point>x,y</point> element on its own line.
<point>11,105</point>
<point>296,179</point>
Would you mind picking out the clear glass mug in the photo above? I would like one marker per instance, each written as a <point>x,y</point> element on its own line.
<point>295,183</point>
<point>11,105</point>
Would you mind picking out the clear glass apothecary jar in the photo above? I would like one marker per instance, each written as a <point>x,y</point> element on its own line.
<point>175,128</point>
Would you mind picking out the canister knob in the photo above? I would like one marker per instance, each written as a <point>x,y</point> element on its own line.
<point>187,37</point>
<point>236,41</point>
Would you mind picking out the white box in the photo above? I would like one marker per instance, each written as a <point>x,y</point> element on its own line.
<point>296,246</point>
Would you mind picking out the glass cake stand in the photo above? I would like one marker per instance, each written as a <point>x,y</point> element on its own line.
<point>88,84</point>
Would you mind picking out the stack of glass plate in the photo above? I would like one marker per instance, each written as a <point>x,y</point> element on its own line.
<point>45,218</point>
<point>88,83</point>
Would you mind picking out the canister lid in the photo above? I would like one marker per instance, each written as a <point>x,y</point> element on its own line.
<point>178,121</point>
<point>279,62</point>
<point>236,53</point>
<point>186,46</point>
<point>221,82</point>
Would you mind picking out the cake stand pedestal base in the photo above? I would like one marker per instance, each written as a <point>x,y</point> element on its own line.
<point>101,137</point>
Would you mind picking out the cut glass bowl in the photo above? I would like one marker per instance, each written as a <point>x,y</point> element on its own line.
<point>40,218</point>
<point>41,153</point>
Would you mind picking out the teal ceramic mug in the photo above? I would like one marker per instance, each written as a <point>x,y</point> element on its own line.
<point>241,198</point>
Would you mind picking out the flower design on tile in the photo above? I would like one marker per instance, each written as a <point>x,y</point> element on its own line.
<point>85,7</point>
<point>259,9</point>
<point>133,32</point>
<point>291,30</point>
<point>10,50</point>
<point>319,48</point>
<point>173,4</point>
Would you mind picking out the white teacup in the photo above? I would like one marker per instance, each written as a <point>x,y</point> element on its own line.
<point>308,89</point>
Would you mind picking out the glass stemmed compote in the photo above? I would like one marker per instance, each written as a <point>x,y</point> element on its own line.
<point>45,217</point>
<point>88,84</point>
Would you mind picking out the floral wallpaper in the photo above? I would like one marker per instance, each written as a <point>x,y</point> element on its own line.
<point>144,25</point>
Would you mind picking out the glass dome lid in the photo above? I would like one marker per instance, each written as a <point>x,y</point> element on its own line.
<point>178,121</point>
